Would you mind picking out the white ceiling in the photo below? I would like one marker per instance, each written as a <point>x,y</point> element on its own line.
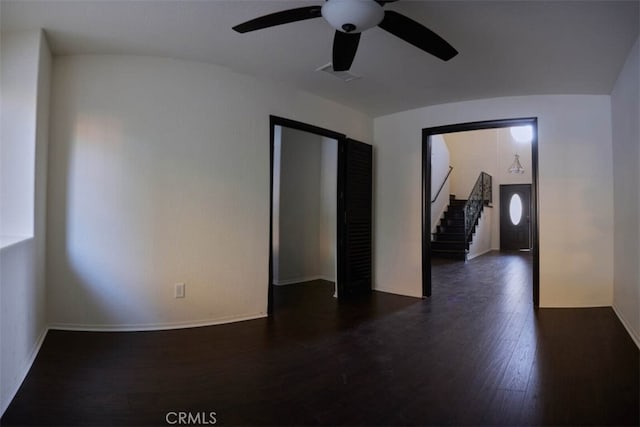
<point>506,47</point>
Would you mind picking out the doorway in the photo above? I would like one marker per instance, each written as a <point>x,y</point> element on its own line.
<point>304,210</point>
<point>350,219</point>
<point>428,194</point>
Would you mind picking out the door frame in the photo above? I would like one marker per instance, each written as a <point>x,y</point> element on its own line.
<point>426,193</point>
<point>291,124</point>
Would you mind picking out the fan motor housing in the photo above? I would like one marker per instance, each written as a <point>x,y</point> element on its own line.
<point>352,16</point>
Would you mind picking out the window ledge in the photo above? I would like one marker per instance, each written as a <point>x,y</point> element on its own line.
<point>6,241</point>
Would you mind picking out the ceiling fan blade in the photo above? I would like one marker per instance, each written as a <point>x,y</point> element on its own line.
<point>345,46</point>
<point>417,34</point>
<point>279,18</point>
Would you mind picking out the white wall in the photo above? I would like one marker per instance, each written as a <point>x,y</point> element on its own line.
<point>159,173</point>
<point>307,179</point>
<point>440,162</point>
<point>488,150</point>
<point>507,148</point>
<point>328,208</point>
<point>275,210</point>
<point>18,132</point>
<point>482,237</point>
<point>300,206</point>
<point>575,165</point>
<point>471,153</point>
<point>625,114</point>
<point>23,323</point>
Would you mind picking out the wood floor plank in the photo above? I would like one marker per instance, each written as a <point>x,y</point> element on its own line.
<point>475,353</point>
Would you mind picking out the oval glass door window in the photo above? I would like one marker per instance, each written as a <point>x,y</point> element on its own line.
<point>515,209</point>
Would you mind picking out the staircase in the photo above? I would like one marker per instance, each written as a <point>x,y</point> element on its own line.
<point>449,239</point>
<point>455,232</point>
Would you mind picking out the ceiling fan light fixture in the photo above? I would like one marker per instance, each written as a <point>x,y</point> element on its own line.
<point>352,16</point>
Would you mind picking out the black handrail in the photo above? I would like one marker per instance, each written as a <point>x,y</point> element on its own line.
<point>443,183</point>
<point>480,195</point>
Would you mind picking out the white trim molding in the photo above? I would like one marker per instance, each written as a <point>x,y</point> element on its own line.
<point>297,280</point>
<point>151,327</point>
<point>24,371</point>
<point>627,326</point>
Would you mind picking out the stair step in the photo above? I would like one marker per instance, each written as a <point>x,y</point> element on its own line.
<point>458,221</point>
<point>448,237</point>
<point>449,254</point>
<point>454,212</point>
<point>454,229</point>
<point>448,245</point>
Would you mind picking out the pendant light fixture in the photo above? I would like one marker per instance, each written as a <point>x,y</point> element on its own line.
<point>516,167</point>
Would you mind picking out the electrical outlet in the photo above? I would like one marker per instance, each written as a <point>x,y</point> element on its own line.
<point>179,290</point>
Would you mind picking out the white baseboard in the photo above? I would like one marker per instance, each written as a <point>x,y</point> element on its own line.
<point>411,295</point>
<point>630,331</point>
<point>303,279</point>
<point>151,327</point>
<point>469,258</point>
<point>26,367</point>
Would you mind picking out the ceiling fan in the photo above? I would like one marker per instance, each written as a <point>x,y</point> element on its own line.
<point>350,18</point>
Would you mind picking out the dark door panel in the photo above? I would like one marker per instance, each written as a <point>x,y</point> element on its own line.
<point>355,177</point>
<point>515,216</point>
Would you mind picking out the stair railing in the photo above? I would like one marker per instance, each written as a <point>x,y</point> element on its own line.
<point>442,185</point>
<point>481,195</point>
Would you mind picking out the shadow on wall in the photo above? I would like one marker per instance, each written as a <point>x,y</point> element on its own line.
<point>134,208</point>
<point>100,249</point>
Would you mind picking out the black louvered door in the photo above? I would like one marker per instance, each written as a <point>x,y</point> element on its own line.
<point>355,172</point>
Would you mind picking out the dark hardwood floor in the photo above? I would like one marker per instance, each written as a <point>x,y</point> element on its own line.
<point>475,353</point>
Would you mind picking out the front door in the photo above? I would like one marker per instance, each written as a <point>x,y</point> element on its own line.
<point>515,216</point>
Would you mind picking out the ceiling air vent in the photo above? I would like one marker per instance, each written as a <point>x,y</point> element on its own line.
<point>345,76</point>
